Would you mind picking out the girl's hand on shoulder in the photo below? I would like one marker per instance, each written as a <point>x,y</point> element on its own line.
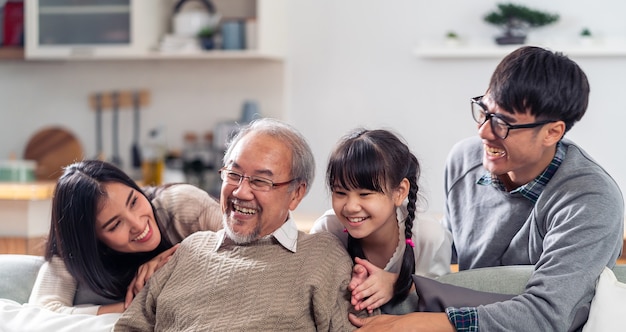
<point>375,290</point>
<point>145,271</point>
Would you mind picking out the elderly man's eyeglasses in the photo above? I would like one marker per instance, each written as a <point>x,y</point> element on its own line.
<point>256,183</point>
<point>499,127</point>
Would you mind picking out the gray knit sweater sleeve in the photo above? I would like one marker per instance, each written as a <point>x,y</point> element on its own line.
<point>570,234</point>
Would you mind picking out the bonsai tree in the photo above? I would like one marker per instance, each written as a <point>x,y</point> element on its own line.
<point>516,20</point>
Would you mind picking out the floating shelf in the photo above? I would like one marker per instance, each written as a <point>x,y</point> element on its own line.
<point>440,50</point>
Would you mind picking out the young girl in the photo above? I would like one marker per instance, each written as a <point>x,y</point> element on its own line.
<point>371,173</point>
<point>107,236</point>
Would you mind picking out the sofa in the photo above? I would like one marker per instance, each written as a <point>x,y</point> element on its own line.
<point>18,274</point>
<point>17,277</point>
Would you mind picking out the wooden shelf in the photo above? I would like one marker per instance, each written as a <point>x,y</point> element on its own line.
<point>154,55</point>
<point>11,53</point>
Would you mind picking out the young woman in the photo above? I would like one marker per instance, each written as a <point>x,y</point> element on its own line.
<point>107,236</point>
<point>373,177</point>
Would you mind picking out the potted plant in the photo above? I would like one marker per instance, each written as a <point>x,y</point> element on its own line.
<point>586,37</point>
<point>452,38</point>
<point>206,36</point>
<point>516,21</point>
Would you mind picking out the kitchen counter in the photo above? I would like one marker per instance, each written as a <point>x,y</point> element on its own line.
<point>26,190</point>
<point>24,216</point>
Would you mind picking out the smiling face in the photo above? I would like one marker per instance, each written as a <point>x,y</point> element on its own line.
<point>250,214</point>
<point>125,221</point>
<point>367,213</point>
<point>525,153</point>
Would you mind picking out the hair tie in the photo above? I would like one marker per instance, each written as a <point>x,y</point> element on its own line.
<point>410,242</point>
<point>345,230</point>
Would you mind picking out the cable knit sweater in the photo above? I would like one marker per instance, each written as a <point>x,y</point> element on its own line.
<point>260,286</point>
<point>181,209</point>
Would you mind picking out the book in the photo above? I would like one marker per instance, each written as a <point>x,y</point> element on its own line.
<point>13,23</point>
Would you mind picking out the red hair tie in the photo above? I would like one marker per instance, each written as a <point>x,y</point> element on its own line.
<point>345,230</point>
<point>410,242</point>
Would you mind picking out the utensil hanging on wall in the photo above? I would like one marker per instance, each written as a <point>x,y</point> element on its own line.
<point>135,150</point>
<point>116,101</point>
<point>115,157</point>
<point>98,108</point>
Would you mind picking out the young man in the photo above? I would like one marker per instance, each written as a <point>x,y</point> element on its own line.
<point>258,273</point>
<point>521,194</point>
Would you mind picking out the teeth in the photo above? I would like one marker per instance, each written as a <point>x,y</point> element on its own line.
<point>494,151</point>
<point>355,220</point>
<point>244,210</point>
<point>143,234</point>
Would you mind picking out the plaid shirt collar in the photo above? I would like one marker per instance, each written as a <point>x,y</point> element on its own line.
<point>532,189</point>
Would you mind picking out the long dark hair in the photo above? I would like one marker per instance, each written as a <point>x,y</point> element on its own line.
<point>378,160</point>
<point>72,229</point>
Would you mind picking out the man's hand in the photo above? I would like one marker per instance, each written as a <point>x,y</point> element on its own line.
<point>417,321</point>
<point>145,271</point>
<point>371,286</point>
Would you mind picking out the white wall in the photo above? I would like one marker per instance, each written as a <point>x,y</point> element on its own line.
<point>350,64</point>
<point>190,95</point>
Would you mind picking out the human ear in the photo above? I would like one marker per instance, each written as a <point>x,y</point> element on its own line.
<point>401,192</point>
<point>297,196</point>
<point>555,131</point>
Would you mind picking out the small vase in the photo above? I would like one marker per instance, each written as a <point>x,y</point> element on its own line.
<point>207,43</point>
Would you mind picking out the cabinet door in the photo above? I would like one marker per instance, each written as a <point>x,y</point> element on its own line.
<point>67,22</point>
<point>66,28</point>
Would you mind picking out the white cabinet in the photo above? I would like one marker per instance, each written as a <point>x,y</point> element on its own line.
<point>92,28</point>
<point>132,29</point>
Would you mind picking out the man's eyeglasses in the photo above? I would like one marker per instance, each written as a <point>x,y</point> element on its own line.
<point>499,127</point>
<point>256,183</point>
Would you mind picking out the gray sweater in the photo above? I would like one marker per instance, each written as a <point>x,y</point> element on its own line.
<point>570,234</point>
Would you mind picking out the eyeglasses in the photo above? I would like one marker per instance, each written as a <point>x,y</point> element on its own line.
<point>256,183</point>
<point>499,127</point>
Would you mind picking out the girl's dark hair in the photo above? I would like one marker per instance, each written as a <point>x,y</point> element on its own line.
<point>378,160</point>
<point>73,237</point>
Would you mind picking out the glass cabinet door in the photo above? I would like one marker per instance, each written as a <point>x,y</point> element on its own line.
<point>84,22</point>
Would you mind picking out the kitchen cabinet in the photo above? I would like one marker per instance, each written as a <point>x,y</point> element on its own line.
<point>144,22</point>
<point>90,28</point>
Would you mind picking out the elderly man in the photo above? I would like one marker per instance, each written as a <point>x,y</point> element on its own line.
<point>259,273</point>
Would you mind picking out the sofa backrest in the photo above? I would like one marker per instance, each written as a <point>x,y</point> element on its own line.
<point>503,279</point>
<point>17,276</point>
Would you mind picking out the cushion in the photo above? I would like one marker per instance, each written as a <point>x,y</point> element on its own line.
<point>435,296</point>
<point>17,276</point>
<point>608,304</point>
<point>16,317</point>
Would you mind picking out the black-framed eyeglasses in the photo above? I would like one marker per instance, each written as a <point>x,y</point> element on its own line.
<point>235,178</point>
<point>499,126</point>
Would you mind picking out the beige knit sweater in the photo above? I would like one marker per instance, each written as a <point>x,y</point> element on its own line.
<point>256,287</point>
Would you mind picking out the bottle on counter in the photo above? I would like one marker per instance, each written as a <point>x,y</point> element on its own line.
<point>153,163</point>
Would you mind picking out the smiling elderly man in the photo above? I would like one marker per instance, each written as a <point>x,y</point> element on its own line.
<point>259,273</point>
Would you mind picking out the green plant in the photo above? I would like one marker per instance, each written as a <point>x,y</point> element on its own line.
<point>516,19</point>
<point>206,32</point>
<point>452,35</point>
<point>585,32</point>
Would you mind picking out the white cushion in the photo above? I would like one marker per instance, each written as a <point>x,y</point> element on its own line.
<point>608,305</point>
<point>16,317</point>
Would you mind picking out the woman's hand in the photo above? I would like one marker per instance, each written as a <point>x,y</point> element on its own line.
<point>145,271</point>
<point>371,286</point>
